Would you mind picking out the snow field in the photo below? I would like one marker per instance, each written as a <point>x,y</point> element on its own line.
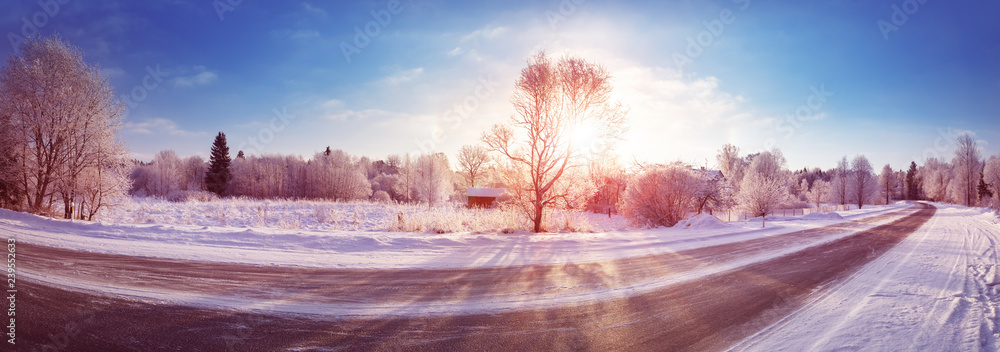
<point>440,250</point>
<point>349,216</point>
<point>376,249</point>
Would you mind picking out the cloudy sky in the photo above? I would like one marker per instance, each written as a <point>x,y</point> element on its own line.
<point>894,80</point>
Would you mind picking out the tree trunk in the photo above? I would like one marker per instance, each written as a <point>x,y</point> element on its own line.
<point>538,218</point>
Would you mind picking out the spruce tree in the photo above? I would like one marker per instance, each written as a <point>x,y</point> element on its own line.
<point>911,182</point>
<point>217,177</point>
<point>984,188</point>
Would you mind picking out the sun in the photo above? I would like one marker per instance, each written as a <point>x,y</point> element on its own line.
<point>585,139</point>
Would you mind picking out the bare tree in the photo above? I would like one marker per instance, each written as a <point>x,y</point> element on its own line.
<point>60,121</point>
<point>193,170</point>
<point>839,187</point>
<point>862,180</point>
<point>818,193</point>
<point>887,181</point>
<point>712,190</point>
<point>165,174</point>
<point>609,179</point>
<point>553,101</point>
<point>471,162</point>
<point>935,176</point>
<point>967,164</point>
<point>661,195</point>
<point>433,179</point>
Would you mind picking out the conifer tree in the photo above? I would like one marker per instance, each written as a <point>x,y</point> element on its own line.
<point>218,176</point>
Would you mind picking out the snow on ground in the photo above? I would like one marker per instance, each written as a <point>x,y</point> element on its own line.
<point>337,216</point>
<point>373,249</point>
<point>936,291</point>
<point>701,221</point>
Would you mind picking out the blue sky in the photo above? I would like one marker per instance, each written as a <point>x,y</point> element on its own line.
<point>697,74</point>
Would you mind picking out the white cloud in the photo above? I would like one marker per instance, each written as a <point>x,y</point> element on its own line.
<point>403,76</point>
<point>158,126</point>
<point>201,77</point>
<point>315,11</point>
<point>487,32</point>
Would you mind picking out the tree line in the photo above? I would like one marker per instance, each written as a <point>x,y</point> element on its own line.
<point>329,175</point>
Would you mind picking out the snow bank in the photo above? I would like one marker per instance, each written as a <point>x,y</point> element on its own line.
<point>702,221</point>
<point>822,216</point>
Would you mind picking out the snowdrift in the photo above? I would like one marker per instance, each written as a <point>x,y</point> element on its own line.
<point>702,221</point>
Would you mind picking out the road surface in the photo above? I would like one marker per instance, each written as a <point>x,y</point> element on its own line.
<point>702,299</point>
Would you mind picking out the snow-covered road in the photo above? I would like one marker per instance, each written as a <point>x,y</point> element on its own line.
<point>936,291</point>
<point>551,279</point>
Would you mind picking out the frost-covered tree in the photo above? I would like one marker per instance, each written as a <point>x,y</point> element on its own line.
<point>434,179</point>
<point>839,186</point>
<point>936,176</point>
<point>59,123</point>
<point>712,190</point>
<point>554,101</point>
<point>887,182</point>
<point>764,186</point>
<point>991,176</point>
<point>337,177</point>
<point>818,193</point>
<point>193,169</point>
<point>661,195</point>
<point>164,174</point>
<point>966,167</point>
<point>472,160</point>
<point>218,176</point>
<point>863,182</point>
<point>731,164</point>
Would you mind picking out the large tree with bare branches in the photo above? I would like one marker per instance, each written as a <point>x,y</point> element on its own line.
<point>540,148</point>
<point>967,166</point>
<point>472,160</point>
<point>61,120</point>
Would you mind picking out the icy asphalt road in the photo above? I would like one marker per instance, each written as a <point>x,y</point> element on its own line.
<point>705,298</point>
